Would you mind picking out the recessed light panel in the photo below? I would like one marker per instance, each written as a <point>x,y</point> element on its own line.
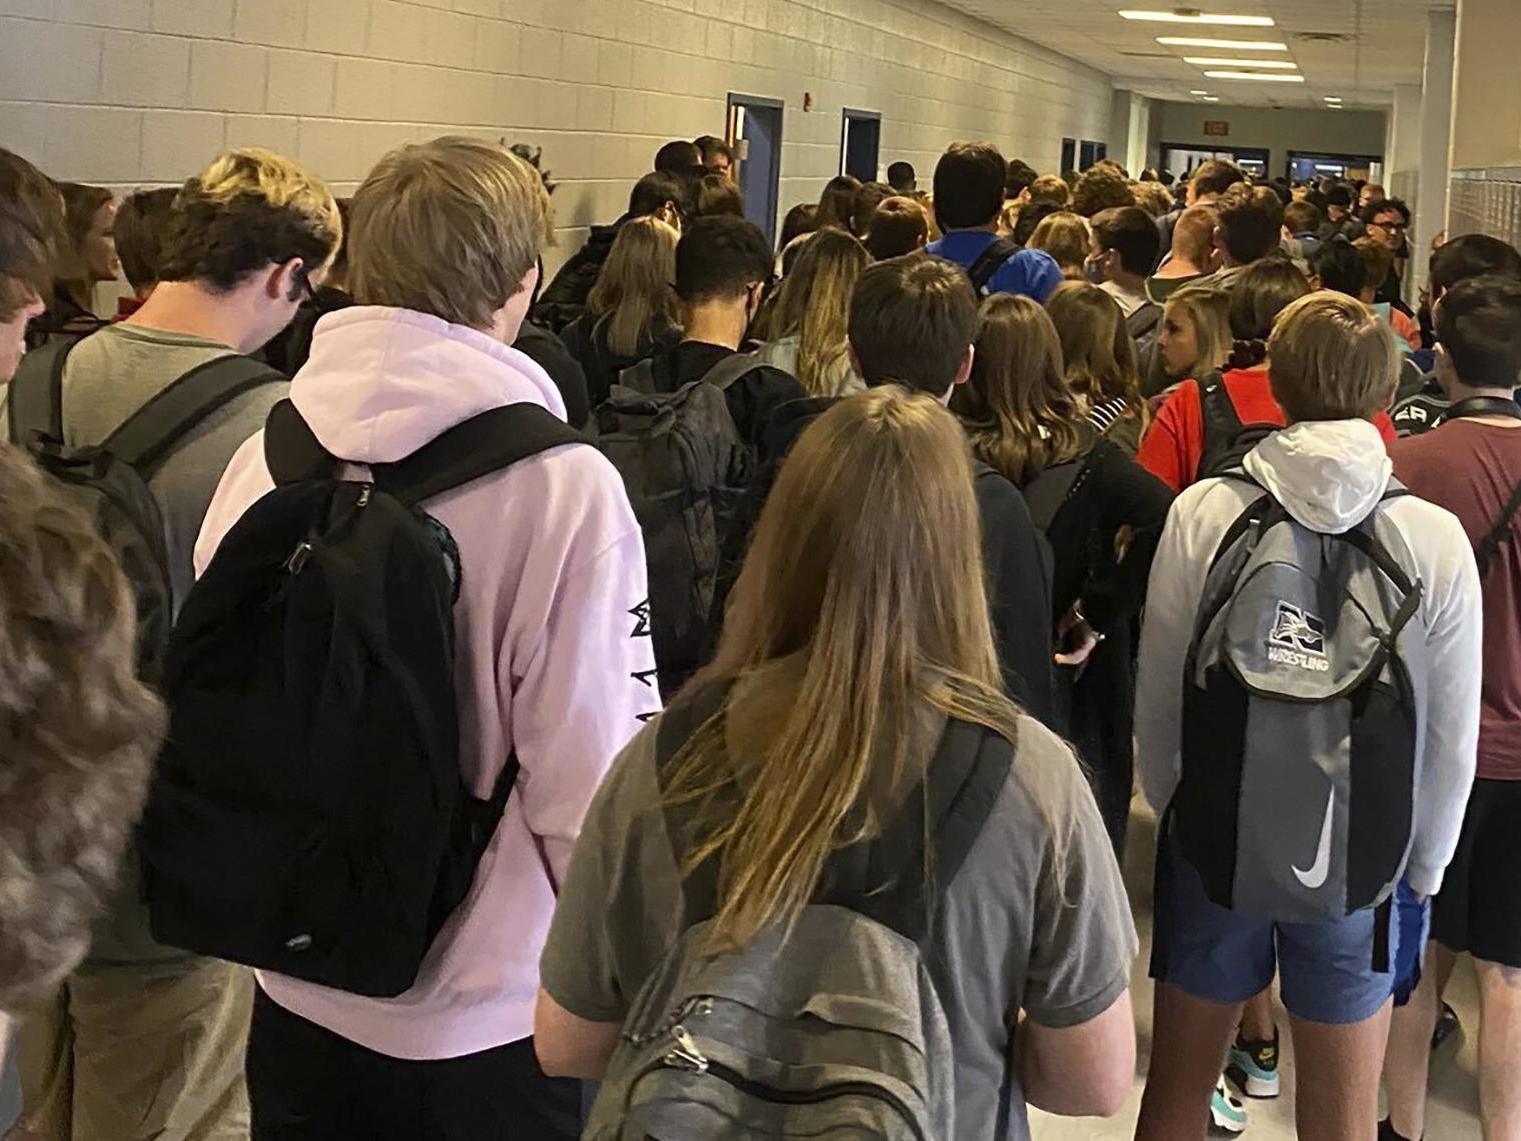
<point>1275,77</point>
<point>1183,16</point>
<point>1213,61</point>
<point>1224,45</point>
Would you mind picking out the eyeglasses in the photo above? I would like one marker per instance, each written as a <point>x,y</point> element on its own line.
<point>1391,227</point>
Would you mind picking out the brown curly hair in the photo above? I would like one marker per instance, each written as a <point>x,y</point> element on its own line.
<point>78,731</point>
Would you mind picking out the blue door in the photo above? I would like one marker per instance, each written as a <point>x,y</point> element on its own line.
<point>755,128</point>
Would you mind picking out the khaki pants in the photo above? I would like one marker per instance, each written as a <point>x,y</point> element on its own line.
<point>138,1052</point>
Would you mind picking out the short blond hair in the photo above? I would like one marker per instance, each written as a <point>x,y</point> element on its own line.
<point>1332,358</point>
<point>448,227</point>
<point>249,209</point>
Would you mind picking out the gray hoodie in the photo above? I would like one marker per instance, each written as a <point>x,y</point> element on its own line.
<point>1329,476</point>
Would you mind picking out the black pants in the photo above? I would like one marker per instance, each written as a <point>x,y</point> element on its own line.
<point>308,1083</point>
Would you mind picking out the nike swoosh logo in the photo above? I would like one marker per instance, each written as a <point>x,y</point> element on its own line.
<point>1316,877</point>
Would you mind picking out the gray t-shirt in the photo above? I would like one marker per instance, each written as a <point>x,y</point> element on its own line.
<point>113,373</point>
<point>108,376</point>
<point>1013,933</point>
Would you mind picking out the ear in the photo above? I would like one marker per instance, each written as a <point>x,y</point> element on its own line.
<point>1316,285</point>
<point>964,369</point>
<point>283,281</point>
<point>855,361</point>
<point>507,321</point>
<point>1446,372</point>
<point>1217,238</point>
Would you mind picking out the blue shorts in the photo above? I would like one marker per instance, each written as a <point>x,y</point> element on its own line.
<point>1325,970</point>
<point>1412,919</point>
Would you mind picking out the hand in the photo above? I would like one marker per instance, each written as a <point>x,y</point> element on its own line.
<point>1073,631</point>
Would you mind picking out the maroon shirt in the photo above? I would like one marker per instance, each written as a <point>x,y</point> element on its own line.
<point>1472,469</point>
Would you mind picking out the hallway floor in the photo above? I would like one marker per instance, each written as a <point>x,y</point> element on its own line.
<point>1454,1107</point>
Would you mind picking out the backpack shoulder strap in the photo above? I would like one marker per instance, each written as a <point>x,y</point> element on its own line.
<point>1499,533</point>
<point>147,436</point>
<point>1143,320</point>
<point>485,443</point>
<point>732,369</point>
<point>989,261</point>
<point>639,376</point>
<point>34,402</point>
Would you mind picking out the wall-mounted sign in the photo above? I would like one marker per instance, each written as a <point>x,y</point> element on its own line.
<point>1220,127</point>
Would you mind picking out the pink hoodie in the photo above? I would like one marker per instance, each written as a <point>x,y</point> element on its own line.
<point>555,659</point>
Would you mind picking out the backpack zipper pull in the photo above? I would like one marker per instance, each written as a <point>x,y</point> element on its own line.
<point>298,559</point>
<point>685,1053</point>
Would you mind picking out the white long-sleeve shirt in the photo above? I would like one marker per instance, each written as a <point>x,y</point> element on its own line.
<point>1328,476</point>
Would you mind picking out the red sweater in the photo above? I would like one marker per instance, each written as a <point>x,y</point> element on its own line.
<point>1173,447</point>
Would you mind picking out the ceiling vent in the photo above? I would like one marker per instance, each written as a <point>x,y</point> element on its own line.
<point>1148,55</point>
<point>1324,37</point>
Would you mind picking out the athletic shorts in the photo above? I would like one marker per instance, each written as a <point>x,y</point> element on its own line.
<point>1479,907</point>
<point>1326,970</point>
<point>139,1052</point>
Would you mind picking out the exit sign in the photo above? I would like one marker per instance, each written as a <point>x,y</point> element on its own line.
<point>1217,127</point>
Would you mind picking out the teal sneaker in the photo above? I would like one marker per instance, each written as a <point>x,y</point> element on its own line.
<point>1253,1066</point>
<point>1226,1114</point>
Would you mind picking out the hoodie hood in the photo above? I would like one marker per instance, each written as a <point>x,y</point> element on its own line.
<point>1329,475</point>
<point>381,382</point>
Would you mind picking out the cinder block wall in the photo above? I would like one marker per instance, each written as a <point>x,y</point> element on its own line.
<point>137,92</point>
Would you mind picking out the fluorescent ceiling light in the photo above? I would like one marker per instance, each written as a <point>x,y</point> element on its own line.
<point>1186,16</point>
<point>1276,77</point>
<point>1333,98</point>
<point>1227,45</point>
<point>1198,92</point>
<point>1211,99</point>
<point>1212,61</point>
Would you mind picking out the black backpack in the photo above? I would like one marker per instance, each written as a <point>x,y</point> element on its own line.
<point>309,816</point>
<point>685,468</point>
<point>990,262</point>
<point>1227,441</point>
<point>110,480</point>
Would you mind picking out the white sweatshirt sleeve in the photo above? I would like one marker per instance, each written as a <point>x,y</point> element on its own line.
<point>1172,599</point>
<point>1453,609</point>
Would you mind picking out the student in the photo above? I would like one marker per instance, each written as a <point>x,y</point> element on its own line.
<point>1340,221</point>
<point>1301,225</point>
<point>901,177</point>
<point>662,195</point>
<point>716,194</point>
<point>1067,238</point>
<point>968,197</point>
<point>1334,368</point>
<point>913,322</point>
<point>632,311</point>
<point>1388,222</point>
<point>553,581</point>
<point>800,221</point>
<point>1463,258</point>
<point>717,155</point>
<point>1378,263</point>
<point>1471,466</point>
<point>1209,181</point>
<point>680,158</point>
<point>1193,252</point>
<point>88,258</point>
<point>1370,195</point>
<point>837,203</point>
<point>807,332</point>
<point>1099,358</point>
<point>1178,449</point>
<point>1153,198</point>
<point>1248,227</point>
<point>898,226</point>
<point>1027,424</point>
<point>1195,337</point>
<point>1101,188</point>
<point>1021,175</point>
<point>867,199</point>
<point>1051,189</point>
<point>722,267</point>
<point>830,742</point>
<point>289,348</point>
<point>32,232</point>
<point>138,233</point>
<point>1123,251</point>
<point>144,1033</point>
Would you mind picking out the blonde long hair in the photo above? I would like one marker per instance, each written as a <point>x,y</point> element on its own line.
<point>1209,311</point>
<point>636,285</point>
<point>1016,406</point>
<point>865,576</point>
<point>813,305</point>
<point>1065,236</point>
<point>1099,353</point>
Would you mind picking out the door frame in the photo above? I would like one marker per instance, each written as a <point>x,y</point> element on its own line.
<point>846,115</point>
<point>774,175</point>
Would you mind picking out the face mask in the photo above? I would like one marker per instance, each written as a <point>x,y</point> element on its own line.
<point>1093,272</point>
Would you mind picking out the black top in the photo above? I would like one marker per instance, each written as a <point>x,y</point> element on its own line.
<point>1016,558</point>
<point>753,399</point>
<point>1112,492</point>
<point>289,349</point>
<point>586,339</point>
<point>551,355</point>
<point>564,298</point>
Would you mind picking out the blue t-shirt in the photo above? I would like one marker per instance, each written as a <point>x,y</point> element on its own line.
<point>1033,273</point>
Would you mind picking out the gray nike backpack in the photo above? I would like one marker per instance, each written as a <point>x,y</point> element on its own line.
<point>832,1029</point>
<point>1304,696</point>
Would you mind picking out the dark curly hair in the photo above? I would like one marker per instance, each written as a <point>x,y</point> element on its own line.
<point>78,731</point>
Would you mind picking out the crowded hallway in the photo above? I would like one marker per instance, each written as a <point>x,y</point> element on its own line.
<point>814,568</point>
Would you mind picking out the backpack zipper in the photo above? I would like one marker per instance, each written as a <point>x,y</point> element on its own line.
<point>685,1055</point>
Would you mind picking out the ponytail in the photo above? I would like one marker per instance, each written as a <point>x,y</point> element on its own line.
<point>1247,354</point>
